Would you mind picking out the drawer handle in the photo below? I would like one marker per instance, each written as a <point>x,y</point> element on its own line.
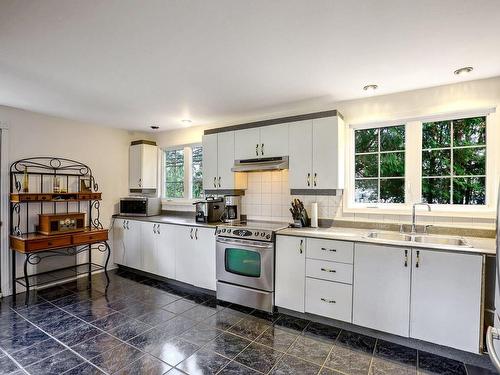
<point>328,300</point>
<point>49,243</point>
<point>325,249</point>
<point>327,270</point>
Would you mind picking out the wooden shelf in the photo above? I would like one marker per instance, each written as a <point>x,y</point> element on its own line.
<point>55,197</point>
<point>33,242</point>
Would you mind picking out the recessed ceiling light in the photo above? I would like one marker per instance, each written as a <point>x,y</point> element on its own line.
<point>186,121</point>
<point>154,127</point>
<point>370,88</point>
<point>464,70</point>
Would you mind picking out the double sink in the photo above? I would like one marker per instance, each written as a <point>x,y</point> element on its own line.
<point>421,238</point>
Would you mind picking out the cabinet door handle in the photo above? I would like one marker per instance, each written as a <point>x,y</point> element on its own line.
<point>123,224</point>
<point>327,270</point>
<point>196,234</point>
<point>325,249</point>
<point>191,233</point>
<point>262,149</point>
<point>140,182</point>
<point>301,247</point>
<point>157,228</point>
<point>257,149</point>
<point>406,258</point>
<point>328,300</point>
<point>417,264</point>
<point>215,182</point>
<point>128,225</point>
<point>315,176</point>
<point>154,228</point>
<point>308,179</point>
<point>219,181</point>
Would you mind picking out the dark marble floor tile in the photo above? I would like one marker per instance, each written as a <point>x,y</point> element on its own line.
<point>150,341</point>
<point>138,309</point>
<point>395,352</point>
<point>174,350</point>
<point>49,317</point>
<point>37,352</point>
<point>159,300</point>
<point>70,300</point>
<point>277,338</point>
<point>61,325</point>
<point>91,313</point>
<point>348,361</point>
<point>130,329</point>
<point>20,302</point>
<point>14,326</point>
<point>292,323</point>
<point>81,333</point>
<point>381,366</point>
<point>310,350</point>
<point>37,310</point>
<point>85,368</point>
<point>240,309</point>
<point>228,345</point>
<point>179,306</point>
<point>249,328</point>
<point>200,334</point>
<point>429,363</point>
<point>292,365</point>
<point>56,364</point>
<point>176,326</point>
<point>223,320</point>
<point>322,332</point>
<point>156,317</point>
<point>357,341</point>
<point>23,340</point>
<point>118,357</point>
<point>235,368</point>
<point>203,362</point>
<point>475,370</point>
<point>111,321</point>
<point>7,366</point>
<point>259,357</point>
<point>54,293</point>
<point>270,317</point>
<point>200,313</point>
<point>95,346</point>
<point>198,297</point>
<point>145,365</point>
<point>329,371</point>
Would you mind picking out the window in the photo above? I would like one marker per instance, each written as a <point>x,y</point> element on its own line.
<point>454,161</point>
<point>379,163</point>
<point>183,172</point>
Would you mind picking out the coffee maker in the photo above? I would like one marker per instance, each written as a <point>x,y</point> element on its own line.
<point>233,209</point>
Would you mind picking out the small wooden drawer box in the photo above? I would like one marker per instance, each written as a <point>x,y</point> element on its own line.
<point>50,224</point>
<point>48,243</point>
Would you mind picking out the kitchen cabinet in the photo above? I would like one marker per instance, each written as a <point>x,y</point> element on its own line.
<point>446,298</point>
<point>263,142</point>
<point>381,298</point>
<point>290,272</point>
<point>317,154</point>
<point>165,249</point>
<point>218,159</point>
<point>127,243</point>
<point>149,248</point>
<point>330,299</point>
<point>143,166</point>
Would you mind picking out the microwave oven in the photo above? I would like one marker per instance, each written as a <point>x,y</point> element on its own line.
<point>140,206</point>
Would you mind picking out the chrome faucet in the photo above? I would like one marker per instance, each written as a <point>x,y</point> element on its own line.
<point>414,216</point>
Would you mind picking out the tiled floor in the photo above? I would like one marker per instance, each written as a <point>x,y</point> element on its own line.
<point>141,326</point>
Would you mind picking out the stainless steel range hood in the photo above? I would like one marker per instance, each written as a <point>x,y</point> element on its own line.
<point>261,164</point>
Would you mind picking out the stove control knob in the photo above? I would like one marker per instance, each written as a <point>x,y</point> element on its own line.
<point>256,234</point>
<point>224,230</point>
<point>262,234</point>
<point>229,231</point>
<point>268,236</point>
<point>218,230</point>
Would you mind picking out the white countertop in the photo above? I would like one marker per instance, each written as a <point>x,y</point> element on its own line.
<point>479,245</point>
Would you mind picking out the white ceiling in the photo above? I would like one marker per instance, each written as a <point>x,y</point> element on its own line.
<point>129,63</point>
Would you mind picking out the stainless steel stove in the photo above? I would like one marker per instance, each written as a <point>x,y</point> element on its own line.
<point>245,263</point>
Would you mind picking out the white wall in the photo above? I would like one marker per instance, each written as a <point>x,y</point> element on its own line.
<point>105,150</point>
<point>449,98</point>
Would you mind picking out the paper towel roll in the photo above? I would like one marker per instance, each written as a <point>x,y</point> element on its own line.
<point>314,215</point>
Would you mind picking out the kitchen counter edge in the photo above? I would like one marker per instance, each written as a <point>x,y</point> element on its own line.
<point>168,219</point>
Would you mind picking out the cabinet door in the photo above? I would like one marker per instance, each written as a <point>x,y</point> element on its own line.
<point>300,152</point>
<point>225,160</point>
<point>185,254</point>
<point>274,140</point>
<point>204,259</point>
<point>247,144</point>
<point>446,298</point>
<point>132,244</point>
<point>210,174</point>
<point>290,272</point>
<point>149,167</point>
<point>165,244</point>
<point>118,241</point>
<point>149,247</point>
<point>135,170</point>
<point>382,288</point>
<point>328,161</point>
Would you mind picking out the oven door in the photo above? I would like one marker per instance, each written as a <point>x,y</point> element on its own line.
<point>247,263</point>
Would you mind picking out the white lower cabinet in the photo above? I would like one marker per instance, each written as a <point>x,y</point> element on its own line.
<point>127,243</point>
<point>149,248</point>
<point>330,299</point>
<point>446,298</point>
<point>165,242</point>
<point>290,272</point>
<point>381,298</point>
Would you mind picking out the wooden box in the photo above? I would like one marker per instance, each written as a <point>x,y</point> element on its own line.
<point>50,224</point>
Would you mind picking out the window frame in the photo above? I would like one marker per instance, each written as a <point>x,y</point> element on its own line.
<point>413,176</point>
<point>188,174</point>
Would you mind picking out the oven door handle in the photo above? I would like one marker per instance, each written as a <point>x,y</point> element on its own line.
<point>268,245</point>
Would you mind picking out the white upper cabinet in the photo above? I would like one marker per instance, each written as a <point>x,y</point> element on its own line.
<point>218,159</point>
<point>263,142</point>
<point>143,166</point>
<point>446,298</point>
<point>316,149</point>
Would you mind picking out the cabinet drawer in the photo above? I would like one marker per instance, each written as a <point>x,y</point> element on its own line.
<point>333,271</point>
<point>83,238</point>
<point>337,251</point>
<point>328,298</point>
<point>49,243</point>
<point>44,197</point>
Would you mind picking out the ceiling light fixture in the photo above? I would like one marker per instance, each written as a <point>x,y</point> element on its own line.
<point>370,88</point>
<point>186,121</point>
<point>464,70</point>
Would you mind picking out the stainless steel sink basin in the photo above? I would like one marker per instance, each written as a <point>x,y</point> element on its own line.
<point>389,236</point>
<point>442,240</point>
